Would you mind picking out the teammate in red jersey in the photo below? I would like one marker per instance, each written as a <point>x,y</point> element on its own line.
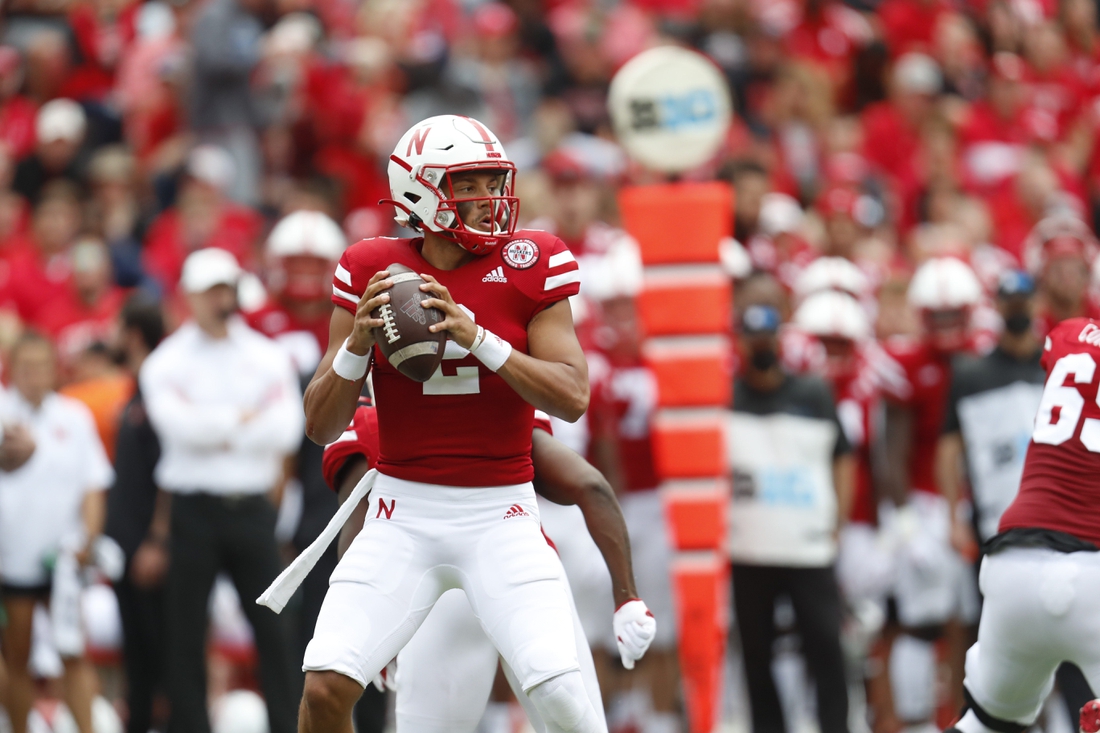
<point>1041,573</point>
<point>930,585</point>
<point>301,253</point>
<point>447,669</point>
<point>456,508</point>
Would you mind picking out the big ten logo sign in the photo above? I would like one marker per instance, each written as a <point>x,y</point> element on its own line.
<point>673,112</point>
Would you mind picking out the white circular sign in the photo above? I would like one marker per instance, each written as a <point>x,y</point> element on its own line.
<point>670,108</point>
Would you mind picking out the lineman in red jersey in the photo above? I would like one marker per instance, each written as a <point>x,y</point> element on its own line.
<point>929,587</point>
<point>1041,573</point>
<point>456,508</point>
<point>447,669</point>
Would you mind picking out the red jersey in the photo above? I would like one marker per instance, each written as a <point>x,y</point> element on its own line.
<point>305,341</point>
<point>480,427</point>
<point>361,439</point>
<point>858,406</point>
<point>1058,489</point>
<point>921,386</point>
<point>624,401</point>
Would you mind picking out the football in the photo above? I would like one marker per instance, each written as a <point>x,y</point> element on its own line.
<point>404,337</point>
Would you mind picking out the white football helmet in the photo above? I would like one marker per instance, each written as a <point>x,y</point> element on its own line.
<point>420,170</point>
<point>301,253</point>
<point>944,283</point>
<point>833,314</point>
<point>306,233</point>
<point>831,273</point>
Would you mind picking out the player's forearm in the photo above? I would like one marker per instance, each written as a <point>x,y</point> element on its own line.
<point>894,476</point>
<point>556,388</point>
<point>605,522</point>
<point>93,511</point>
<point>948,460</point>
<point>330,402</point>
<point>844,481</point>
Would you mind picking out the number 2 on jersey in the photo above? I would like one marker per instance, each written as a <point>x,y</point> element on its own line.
<point>1069,402</point>
<point>465,380</point>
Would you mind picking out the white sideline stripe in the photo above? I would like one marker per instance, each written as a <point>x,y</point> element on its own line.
<point>343,275</point>
<point>566,278</point>
<point>346,296</point>
<point>559,259</point>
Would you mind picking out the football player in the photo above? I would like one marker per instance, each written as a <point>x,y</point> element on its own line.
<point>455,503</point>
<point>446,671</point>
<point>1041,574</point>
<point>929,588</point>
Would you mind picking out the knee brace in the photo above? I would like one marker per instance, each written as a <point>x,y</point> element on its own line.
<point>564,705</point>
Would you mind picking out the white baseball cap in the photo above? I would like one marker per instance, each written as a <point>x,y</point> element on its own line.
<point>60,119</point>
<point>205,268</point>
<point>918,73</point>
<point>212,165</point>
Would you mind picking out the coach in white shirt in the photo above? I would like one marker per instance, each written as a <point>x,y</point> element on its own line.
<point>52,494</point>
<point>225,403</point>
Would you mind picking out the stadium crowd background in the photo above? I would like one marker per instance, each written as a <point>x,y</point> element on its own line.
<point>886,134</point>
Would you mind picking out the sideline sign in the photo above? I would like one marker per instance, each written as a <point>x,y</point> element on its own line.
<point>670,108</point>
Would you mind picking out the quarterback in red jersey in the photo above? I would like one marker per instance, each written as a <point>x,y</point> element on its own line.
<point>456,508</point>
<point>1041,573</point>
<point>446,671</point>
<point>930,586</point>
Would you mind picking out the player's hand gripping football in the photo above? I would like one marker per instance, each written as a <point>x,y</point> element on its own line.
<point>635,628</point>
<point>456,321</point>
<point>362,337</point>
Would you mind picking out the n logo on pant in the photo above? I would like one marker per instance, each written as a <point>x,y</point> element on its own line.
<point>383,508</point>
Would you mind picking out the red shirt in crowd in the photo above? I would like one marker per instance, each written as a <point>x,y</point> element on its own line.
<point>165,249</point>
<point>910,25</point>
<point>17,118</point>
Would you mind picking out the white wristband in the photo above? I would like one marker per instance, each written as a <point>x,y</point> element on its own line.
<point>490,349</point>
<point>351,367</point>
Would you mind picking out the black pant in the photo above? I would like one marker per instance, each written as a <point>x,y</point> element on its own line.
<point>210,534</point>
<point>813,593</point>
<point>142,613</point>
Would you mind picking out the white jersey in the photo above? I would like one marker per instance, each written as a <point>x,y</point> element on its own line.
<point>40,501</point>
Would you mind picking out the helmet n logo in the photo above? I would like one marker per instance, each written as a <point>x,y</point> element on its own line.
<point>419,137</point>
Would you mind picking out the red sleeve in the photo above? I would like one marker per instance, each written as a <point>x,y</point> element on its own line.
<point>554,274</point>
<point>360,439</point>
<point>347,287</point>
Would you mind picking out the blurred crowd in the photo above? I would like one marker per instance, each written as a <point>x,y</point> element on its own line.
<point>871,141</point>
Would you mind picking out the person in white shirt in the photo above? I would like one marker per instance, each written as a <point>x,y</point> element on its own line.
<point>225,403</point>
<point>51,501</point>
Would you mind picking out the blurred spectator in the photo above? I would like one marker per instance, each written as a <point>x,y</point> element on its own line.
<point>226,42</point>
<point>17,113</point>
<point>226,407</point>
<point>503,81</point>
<point>114,213</point>
<point>792,471</point>
<point>41,267</point>
<point>130,513</point>
<point>202,217</point>
<point>84,311</point>
<point>52,501</point>
<point>59,134</point>
<point>1057,253</point>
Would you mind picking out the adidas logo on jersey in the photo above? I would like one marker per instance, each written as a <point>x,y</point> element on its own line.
<point>496,276</point>
<point>515,511</point>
